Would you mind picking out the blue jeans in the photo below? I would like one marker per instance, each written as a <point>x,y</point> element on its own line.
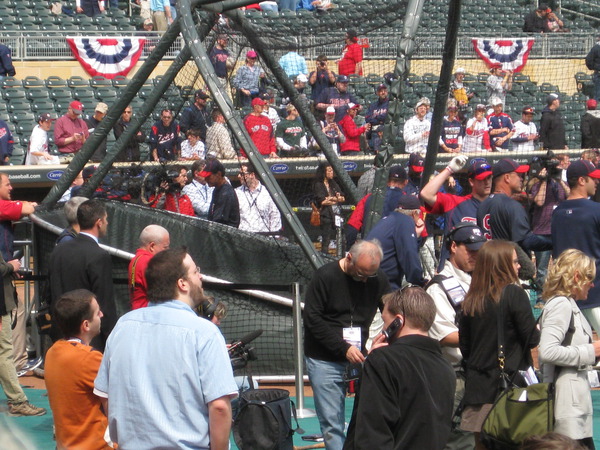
<point>596,78</point>
<point>329,390</point>
<point>542,259</point>
<point>290,5</point>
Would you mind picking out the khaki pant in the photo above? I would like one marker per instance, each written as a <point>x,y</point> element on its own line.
<point>8,374</point>
<point>159,19</point>
<point>19,335</point>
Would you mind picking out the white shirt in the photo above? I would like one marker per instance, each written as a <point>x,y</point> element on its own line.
<point>413,134</point>
<point>200,195</point>
<point>273,116</point>
<point>523,130</point>
<point>39,143</point>
<point>474,142</point>
<point>187,151</point>
<point>258,212</point>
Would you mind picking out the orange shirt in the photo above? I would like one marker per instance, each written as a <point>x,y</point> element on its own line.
<point>70,371</point>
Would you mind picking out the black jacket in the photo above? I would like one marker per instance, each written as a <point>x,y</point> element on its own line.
<point>592,60</point>
<point>590,129</point>
<point>131,152</point>
<point>535,24</point>
<point>552,130</point>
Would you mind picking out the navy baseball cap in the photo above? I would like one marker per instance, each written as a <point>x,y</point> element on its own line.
<point>479,169</point>
<point>582,168</point>
<point>508,165</point>
<point>469,234</point>
<point>212,166</point>
<point>397,173</point>
<point>416,162</point>
<point>343,79</point>
<point>408,201</point>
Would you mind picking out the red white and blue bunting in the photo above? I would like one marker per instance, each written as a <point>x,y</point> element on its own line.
<point>107,57</point>
<point>511,53</point>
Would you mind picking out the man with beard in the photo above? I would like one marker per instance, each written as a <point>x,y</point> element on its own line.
<point>178,357</point>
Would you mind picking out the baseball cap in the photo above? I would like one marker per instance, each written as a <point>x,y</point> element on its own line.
<point>148,22</point>
<point>423,101</point>
<point>212,166</point>
<point>508,165</point>
<point>342,79</point>
<point>496,101</point>
<point>76,106</point>
<point>397,173</point>
<point>495,66</point>
<point>330,110</point>
<point>258,101</point>
<point>353,105</point>
<point>88,171</point>
<point>469,234</point>
<point>460,70</point>
<point>408,201</point>
<point>591,104</point>
<point>582,168</point>
<point>551,98</point>
<point>480,107</point>
<point>44,117</point>
<point>479,169</point>
<point>102,108</point>
<point>528,110</point>
<point>416,162</point>
<point>301,78</point>
<point>381,86</point>
<point>251,54</point>
<point>201,94</point>
<point>352,34</point>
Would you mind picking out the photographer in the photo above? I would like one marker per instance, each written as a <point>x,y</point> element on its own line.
<point>320,79</point>
<point>170,197</point>
<point>546,192</point>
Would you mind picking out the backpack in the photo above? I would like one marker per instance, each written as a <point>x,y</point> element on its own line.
<point>264,420</point>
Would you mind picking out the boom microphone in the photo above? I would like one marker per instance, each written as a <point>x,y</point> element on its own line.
<point>245,340</point>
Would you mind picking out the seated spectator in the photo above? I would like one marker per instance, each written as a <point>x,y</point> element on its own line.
<point>417,128</point>
<point>269,108</point>
<point>192,148</point>
<point>131,152</point>
<point>525,133</point>
<point>300,83</point>
<point>86,174</point>
<point>331,130</point>
<point>246,80</point>
<point>498,83</point>
<point>218,140</point>
<point>90,8</point>
<point>351,146</point>
<point>78,181</point>
<point>501,127</point>
<point>290,135</point>
<point>451,138</point>
<point>477,137</point>
<point>260,130</point>
<point>555,24</point>
<point>293,64</point>
<point>352,55</point>
<point>590,126</point>
<point>171,198</point>
<point>537,20</point>
<point>320,79</point>
<point>376,139</point>
<point>93,122</point>
<point>70,130</point>
<point>461,93</point>
<point>164,138</point>
<point>323,5</point>
<point>37,153</point>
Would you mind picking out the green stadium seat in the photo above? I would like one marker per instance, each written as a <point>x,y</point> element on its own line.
<point>77,82</point>
<point>24,127</point>
<point>60,94</point>
<point>54,82</point>
<point>22,116</point>
<point>83,94</point>
<point>37,94</point>
<point>106,94</point>
<point>13,93</point>
<point>120,81</point>
<point>99,81</point>
<point>10,82</point>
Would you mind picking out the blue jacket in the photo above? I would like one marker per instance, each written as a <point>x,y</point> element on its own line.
<point>6,142</point>
<point>6,64</point>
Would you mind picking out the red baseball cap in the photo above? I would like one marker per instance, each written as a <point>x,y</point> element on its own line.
<point>76,106</point>
<point>258,101</point>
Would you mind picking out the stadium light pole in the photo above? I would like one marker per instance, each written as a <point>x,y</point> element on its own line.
<point>206,69</point>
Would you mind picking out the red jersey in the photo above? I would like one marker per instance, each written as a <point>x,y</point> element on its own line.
<point>261,131</point>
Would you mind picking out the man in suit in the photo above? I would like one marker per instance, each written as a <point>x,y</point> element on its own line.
<point>82,264</point>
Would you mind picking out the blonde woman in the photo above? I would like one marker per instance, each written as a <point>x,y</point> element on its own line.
<point>566,348</point>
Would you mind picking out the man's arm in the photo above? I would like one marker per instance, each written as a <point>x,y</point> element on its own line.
<point>431,189</point>
<point>219,418</point>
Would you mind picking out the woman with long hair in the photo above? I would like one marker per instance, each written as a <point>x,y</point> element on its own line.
<point>494,291</point>
<point>327,196</point>
<point>566,348</point>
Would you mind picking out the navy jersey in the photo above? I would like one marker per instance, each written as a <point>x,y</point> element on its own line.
<point>501,217</point>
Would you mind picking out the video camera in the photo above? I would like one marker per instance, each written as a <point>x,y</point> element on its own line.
<point>240,352</point>
<point>548,162</point>
<point>161,179</point>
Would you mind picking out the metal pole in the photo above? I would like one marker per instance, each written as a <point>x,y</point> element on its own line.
<point>299,354</point>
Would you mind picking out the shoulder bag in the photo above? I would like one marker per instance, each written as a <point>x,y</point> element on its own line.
<point>315,215</point>
<point>518,412</point>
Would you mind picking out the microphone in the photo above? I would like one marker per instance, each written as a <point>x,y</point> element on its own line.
<point>245,340</point>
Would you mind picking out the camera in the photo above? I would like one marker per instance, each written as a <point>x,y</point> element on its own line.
<point>240,352</point>
<point>25,273</point>
<point>548,162</point>
<point>162,179</point>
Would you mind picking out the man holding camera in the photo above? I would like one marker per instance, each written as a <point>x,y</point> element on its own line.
<point>340,304</point>
<point>179,377</point>
<point>499,82</point>
<point>171,197</point>
<point>320,79</point>
<point>407,387</point>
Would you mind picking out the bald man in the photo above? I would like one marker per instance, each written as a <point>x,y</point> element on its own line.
<point>153,239</point>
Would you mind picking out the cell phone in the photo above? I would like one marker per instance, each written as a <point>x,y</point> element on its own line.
<point>391,331</point>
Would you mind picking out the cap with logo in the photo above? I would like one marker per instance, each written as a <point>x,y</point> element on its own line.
<point>76,106</point>
<point>258,101</point>
<point>460,70</point>
<point>251,54</point>
<point>479,169</point>
<point>528,110</point>
<point>408,201</point>
<point>591,104</point>
<point>495,66</point>
<point>469,234</point>
<point>496,101</point>
<point>381,87</point>
<point>353,105</point>
<point>343,79</point>
<point>508,165</point>
<point>416,162</point>
<point>330,110</point>
<point>201,94</point>
<point>302,78</point>
<point>582,168</point>
<point>44,117</point>
<point>397,173</point>
<point>212,166</point>
<point>551,98</point>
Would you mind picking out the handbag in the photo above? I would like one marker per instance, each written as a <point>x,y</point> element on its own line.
<point>517,412</point>
<point>315,215</point>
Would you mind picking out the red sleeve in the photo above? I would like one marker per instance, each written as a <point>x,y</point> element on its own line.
<point>486,140</point>
<point>358,215</point>
<point>185,206</point>
<point>10,210</point>
<point>445,202</point>
<point>356,53</point>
